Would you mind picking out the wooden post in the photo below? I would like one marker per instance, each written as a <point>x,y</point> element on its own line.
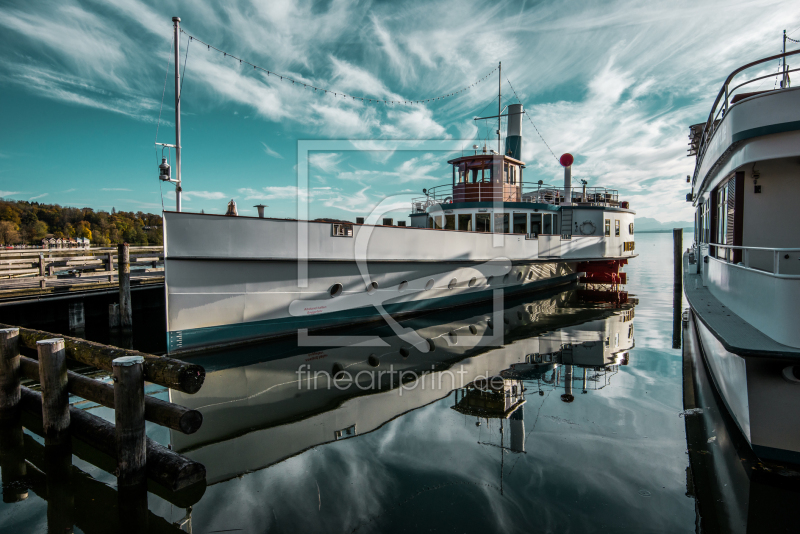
<point>9,372</point>
<point>13,469</point>
<point>53,379</point>
<point>110,267</point>
<point>129,420</point>
<point>41,271</point>
<point>124,266</point>
<point>677,238</point>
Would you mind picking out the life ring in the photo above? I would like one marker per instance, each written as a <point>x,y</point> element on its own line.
<point>587,228</point>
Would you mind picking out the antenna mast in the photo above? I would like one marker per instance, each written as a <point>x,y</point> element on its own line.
<point>499,105</point>
<point>178,189</point>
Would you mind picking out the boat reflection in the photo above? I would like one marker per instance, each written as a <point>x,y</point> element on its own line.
<point>264,404</point>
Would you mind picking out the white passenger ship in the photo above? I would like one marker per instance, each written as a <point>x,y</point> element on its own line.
<point>742,276</point>
<point>231,279</point>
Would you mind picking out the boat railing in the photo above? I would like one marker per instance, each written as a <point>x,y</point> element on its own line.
<point>535,193</point>
<point>762,259</point>
<point>723,102</point>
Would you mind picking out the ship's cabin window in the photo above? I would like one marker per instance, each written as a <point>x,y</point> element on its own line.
<point>520,223</point>
<point>616,227</point>
<point>482,222</point>
<point>501,223</point>
<point>608,228</point>
<point>435,222</point>
<point>536,223</point>
<point>547,226</point>
<point>465,222</point>
<point>449,222</point>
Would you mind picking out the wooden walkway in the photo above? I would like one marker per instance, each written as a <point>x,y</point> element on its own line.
<point>35,274</point>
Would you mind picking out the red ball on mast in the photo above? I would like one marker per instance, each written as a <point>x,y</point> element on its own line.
<point>566,160</point>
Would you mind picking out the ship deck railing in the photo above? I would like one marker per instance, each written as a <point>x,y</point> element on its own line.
<point>780,262</point>
<point>534,193</point>
<point>700,140</point>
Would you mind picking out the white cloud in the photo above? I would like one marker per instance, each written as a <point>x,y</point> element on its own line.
<point>208,195</point>
<point>8,193</point>
<point>325,161</point>
<point>268,151</point>
<point>39,196</point>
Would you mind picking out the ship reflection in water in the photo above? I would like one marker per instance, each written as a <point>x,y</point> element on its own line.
<point>263,412</point>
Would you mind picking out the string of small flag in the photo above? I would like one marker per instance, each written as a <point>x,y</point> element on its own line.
<point>334,93</point>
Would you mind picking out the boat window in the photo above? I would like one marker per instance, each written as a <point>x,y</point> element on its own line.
<point>436,222</point>
<point>616,227</point>
<point>465,221</point>
<point>608,228</point>
<point>449,222</point>
<point>547,227</point>
<point>536,223</point>
<point>520,223</point>
<point>482,222</point>
<point>501,223</point>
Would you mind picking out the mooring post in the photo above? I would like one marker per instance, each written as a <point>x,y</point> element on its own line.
<point>677,288</point>
<point>42,282</point>
<point>110,266</point>
<point>60,493</point>
<point>9,372</point>
<point>677,244</point>
<point>129,420</point>
<point>53,380</point>
<point>124,266</point>
<point>13,469</point>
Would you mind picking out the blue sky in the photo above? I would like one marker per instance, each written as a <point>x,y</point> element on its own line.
<point>616,83</point>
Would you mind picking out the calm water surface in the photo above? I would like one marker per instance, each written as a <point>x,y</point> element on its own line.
<point>581,432</point>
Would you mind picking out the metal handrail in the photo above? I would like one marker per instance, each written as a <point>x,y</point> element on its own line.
<point>746,257</point>
<point>709,130</point>
<point>525,192</point>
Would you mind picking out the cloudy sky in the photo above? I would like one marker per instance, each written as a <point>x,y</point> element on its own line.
<point>616,83</point>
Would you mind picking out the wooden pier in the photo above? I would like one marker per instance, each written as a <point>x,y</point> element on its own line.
<point>121,448</point>
<point>37,274</point>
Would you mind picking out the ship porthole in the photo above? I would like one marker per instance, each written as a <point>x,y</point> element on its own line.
<point>453,337</point>
<point>404,352</point>
<point>452,284</point>
<point>530,275</point>
<point>519,315</point>
<point>472,329</point>
<point>372,287</point>
<point>429,285</point>
<point>431,345</point>
<point>490,324</point>
<point>505,278</point>
<point>472,282</point>
<point>403,285</point>
<point>792,374</point>
<point>519,276</point>
<point>373,360</point>
<point>336,290</point>
<point>489,280</point>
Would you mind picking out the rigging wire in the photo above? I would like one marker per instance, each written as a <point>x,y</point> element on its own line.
<point>534,126</point>
<point>339,93</point>
<point>164,92</point>
<point>183,74</point>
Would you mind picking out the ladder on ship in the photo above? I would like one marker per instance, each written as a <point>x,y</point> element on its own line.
<point>566,222</point>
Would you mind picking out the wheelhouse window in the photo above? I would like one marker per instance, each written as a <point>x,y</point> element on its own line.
<point>616,227</point>
<point>482,222</point>
<point>608,228</point>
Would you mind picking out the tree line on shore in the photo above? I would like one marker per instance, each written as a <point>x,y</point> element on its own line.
<point>23,222</point>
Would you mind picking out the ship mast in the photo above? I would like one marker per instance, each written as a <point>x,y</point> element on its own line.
<point>178,189</point>
<point>499,104</point>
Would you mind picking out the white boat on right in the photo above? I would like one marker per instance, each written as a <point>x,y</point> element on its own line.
<point>742,274</point>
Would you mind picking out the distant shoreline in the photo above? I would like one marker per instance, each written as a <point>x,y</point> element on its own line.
<point>664,231</point>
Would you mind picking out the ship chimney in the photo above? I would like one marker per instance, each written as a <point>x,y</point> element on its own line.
<point>260,208</point>
<point>514,132</point>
